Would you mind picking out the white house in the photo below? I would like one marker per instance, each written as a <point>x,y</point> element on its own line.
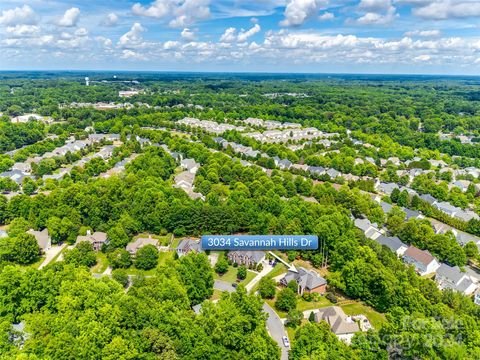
<point>423,261</point>
<point>448,277</point>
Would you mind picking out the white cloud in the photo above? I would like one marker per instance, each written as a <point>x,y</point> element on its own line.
<point>132,55</point>
<point>446,9</point>
<point>423,33</point>
<point>70,17</point>
<point>375,18</point>
<point>22,30</point>
<point>19,16</point>
<point>81,32</point>
<point>133,38</point>
<point>244,35</point>
<point>422,58</point>
<point>229,35</point>
<point>298,11</point>
<point>158,9</point>
<point>187,34</point>
<point>182,12</point>
<point>375,5</point>
<point>110,20</point>
<point>169,45</point>
<point>326,16</point>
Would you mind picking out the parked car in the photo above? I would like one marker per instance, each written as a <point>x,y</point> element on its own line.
<point>234,284</point>
<point>285,341</point>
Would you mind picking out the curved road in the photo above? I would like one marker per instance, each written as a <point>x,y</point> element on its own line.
<point>274,323</point>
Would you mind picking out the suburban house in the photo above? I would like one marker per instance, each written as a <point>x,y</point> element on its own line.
<point>248,258</point>
<point>448,277</point>
<point>308,281</point>
<point>44,240</point>
<point>187,245</point>
<point>133,247</point>
<point>428,198</point>
<point>97,239</point>
<point>370,230</point>
<point>393,243</point>
<point>476,297</point>
<point>423,261</point>
<point>190,165</point>
<point>184,180</point>
<point>340,324</point>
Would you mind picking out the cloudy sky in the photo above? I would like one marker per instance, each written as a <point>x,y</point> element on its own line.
<point>355,36</point>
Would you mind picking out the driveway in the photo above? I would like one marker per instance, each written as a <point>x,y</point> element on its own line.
<point>266,269</point>
<point>50,254</point>
<point>274,323</point>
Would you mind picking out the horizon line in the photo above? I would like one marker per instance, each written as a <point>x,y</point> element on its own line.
<point>237,72</point>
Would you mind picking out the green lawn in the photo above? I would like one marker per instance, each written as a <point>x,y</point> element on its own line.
<point>164,256</point>
<point>231,276</point>
<point>376,319</point>
<point>302,305</point>
<point>216,294</point>
<point>175,243</point>
<point>102,263</point>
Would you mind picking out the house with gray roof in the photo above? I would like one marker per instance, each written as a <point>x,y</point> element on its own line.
<point>447,208</point>
<point>316,170</point>
<point>249,258</point>
<point>393,243</point>
<point>412,214</point>
<point>97,239</point>
<point>340,324</point>
<point>333,173</point>
<point>190,165</point>
<point>187,245</point>
<point>284,164</point>
<point>370,230</point>
<point>386,207</point>
<point>308,281</point>
<point>387,188</point>
<point>44,240</point>
<point>134,246</point>
<point>428,198</point>
<point>448,277</point>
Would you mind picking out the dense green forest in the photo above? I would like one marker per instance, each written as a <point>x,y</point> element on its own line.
<point>72,315</point>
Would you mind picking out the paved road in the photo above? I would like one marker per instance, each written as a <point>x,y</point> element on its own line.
<point>274,323</point>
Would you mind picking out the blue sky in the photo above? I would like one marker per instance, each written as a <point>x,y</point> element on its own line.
<point>354,36</point>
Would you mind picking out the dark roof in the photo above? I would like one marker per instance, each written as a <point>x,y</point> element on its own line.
<point>393,243</point>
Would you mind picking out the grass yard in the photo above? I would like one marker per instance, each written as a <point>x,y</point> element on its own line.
<point>164,256</point>
<point>216,295</point>
<point>175,243</point>
<point>102,263</point>
<point>376,319</point>
<point>231,276</point>
<point>302,305</point>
